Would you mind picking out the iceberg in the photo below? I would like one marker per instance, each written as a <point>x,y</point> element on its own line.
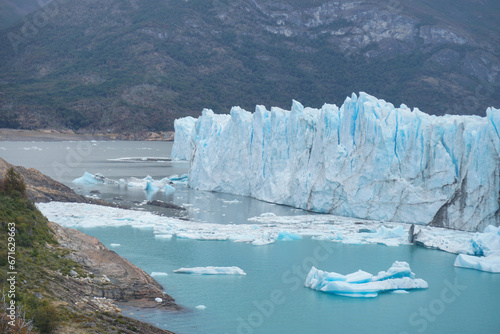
<point>97,178</point>
<point>211,271</point>
<point>483,252</point>
<point>366,159</point>
<point>362,284</point>
<point>490,263</point>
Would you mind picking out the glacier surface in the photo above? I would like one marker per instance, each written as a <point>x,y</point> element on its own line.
<point>363,284</point>
<point>366,159</point>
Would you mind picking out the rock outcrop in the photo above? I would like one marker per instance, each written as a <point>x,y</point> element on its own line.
<point>113,276</point>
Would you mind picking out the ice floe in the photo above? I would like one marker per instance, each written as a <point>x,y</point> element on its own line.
<point>259,230</point>
<point>211,271</point>
<point>363,284</point>
<point>147,184</point>
<point>477,250</point>
<point>156,274</point>
<point>483,251</point>
<point>97,178</point>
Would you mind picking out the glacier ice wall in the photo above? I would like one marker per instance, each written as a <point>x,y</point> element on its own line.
<point>366,159</point>
<point>182,148</point>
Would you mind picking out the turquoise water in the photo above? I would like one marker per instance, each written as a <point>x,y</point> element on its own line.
<point>270,298</point>
<point>245,304</point>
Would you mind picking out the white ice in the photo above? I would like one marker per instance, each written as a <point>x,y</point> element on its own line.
<point>483,251</point>
<point>363,284</point>
<point>211,271</point>
<point>148,184</point>
<point>97,178</point>
<point>183,146</point>
<point>156,274</point>
<point>366,159</point>
<point>259,230</point>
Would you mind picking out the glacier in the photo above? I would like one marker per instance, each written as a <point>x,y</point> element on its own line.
<point>363,284</point>
<point>182,148</point>
<point>366,159</point>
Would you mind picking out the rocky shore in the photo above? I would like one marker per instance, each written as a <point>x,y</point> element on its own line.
<point>102,280</point>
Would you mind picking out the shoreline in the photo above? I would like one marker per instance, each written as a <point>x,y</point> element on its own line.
<point>49,135</point>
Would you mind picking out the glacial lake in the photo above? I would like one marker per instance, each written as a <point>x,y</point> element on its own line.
<point>271,297</point>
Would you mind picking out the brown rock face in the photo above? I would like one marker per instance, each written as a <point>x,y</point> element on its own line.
<point>41,188</point>
<point>127,283</point>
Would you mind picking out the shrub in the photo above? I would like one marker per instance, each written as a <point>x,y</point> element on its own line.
<point>14,183</point>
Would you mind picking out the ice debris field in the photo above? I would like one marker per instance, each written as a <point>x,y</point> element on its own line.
<point>366,159</point>
<point>148,183</point>
<point>477,250</point>
<point>363,284</point>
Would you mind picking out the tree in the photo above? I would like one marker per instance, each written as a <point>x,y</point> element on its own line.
<point>14,183</point>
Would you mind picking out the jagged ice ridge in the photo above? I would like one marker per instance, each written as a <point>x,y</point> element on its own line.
<point>366,159</point>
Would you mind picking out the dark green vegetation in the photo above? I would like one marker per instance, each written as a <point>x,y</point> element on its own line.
<point>32,257</point>
<point>137,65</point>
<point>41,266</point>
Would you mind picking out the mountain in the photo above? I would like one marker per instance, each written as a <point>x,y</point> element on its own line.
<point>12,11</point>
<point>124,66</point>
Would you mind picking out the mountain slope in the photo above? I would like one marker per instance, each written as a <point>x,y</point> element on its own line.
<point>133,65</point>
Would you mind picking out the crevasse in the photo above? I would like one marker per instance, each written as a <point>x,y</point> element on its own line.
<point>366,159</point>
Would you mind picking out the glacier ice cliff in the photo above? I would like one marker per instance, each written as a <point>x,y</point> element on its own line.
<point>182,148</point>
<point>366,159</point>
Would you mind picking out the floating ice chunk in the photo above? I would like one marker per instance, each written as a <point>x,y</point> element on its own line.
<point>486,248</point>
<point>490,263</point>
<point>168,188</point>
<point>264,239</point>
<point>363,284</point>
<point>163,236</point>
<point>151,187</point>
<point>284,235</point>
<point>156,274</point>
<point>400,291</point>
<point>175,177</point>
<point>211,271</point>
<point>158,300</point>
<point>115,245</point>
<point>97,178</point>
<point>399,269</point>
<point>486,242</point>
<point>234,201</point>
<point>268,214</point>
<point>201,307</point>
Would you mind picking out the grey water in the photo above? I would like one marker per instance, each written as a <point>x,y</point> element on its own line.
<point>271,297</point>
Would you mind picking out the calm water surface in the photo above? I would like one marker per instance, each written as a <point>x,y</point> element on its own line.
<point>270,298</point>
